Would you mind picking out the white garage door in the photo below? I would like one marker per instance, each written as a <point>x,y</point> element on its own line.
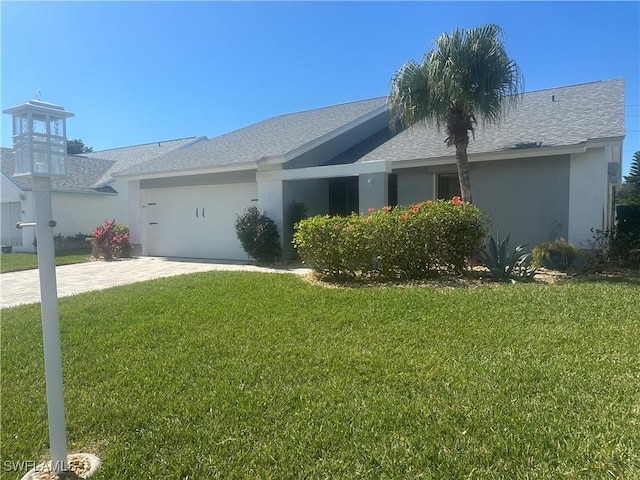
<point>196,222</point>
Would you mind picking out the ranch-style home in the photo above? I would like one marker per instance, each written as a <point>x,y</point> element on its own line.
<point>549,169</point>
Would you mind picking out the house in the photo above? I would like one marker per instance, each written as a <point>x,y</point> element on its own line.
<point>549,169</point>
<point>80,202</point>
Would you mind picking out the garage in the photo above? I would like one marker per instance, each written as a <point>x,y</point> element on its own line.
<point>195,222</point>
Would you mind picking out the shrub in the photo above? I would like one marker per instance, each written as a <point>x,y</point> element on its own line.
<point>111,240</point>
<point>558,254</point>
<point>405,242</point>
<point>297,212</point>
<point>258,235</point>
<point>71,242</point>
<point>504,265</point>
<point>614,247</point>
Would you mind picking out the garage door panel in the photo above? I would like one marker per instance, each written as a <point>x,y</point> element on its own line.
<point>197,221</point>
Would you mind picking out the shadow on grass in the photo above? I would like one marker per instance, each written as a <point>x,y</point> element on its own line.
<point>629,277</point>
<point>471,279</point>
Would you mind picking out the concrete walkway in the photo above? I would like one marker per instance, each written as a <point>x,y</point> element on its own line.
<point>24,287</point>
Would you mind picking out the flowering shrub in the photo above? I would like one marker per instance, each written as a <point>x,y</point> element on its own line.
<point>112,240</point>
<point>406,242</point>
<point>258,235</point>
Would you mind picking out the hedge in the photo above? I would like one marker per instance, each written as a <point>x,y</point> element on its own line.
<point>405,242</point>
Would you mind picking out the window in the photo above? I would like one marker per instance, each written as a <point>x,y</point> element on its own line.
<point>448,186</point>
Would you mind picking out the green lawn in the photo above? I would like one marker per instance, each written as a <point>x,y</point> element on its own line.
<point>13,262</point>
<point>244,375</point>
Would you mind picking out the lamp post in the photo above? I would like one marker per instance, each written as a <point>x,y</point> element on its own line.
<point>40,151</point>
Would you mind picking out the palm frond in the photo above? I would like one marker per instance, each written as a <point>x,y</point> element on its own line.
<point>467,73</point>
<point>409,98</point>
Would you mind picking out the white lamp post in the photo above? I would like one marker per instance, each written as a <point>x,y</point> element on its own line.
<point>40,151</point>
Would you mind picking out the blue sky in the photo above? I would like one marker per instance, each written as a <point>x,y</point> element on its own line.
<point>138,72</point>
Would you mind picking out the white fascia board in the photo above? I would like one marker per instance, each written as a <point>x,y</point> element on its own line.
<point>105,183</point>
<point>271,163</point>
<point>487,157</point>
<point>603,142</point>
<point>92,192</point>
<point>185,173</point>
<point>327,171</point>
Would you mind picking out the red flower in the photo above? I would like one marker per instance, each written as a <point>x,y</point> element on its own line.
<point>404,217</point>
<point>457,200</point>
<point>386,208</point>
<point>371,210</point>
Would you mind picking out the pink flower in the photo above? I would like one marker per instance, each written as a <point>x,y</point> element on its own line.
<point>386,208</point>
<point>371,210</point>
<point>457,200</point>
<point>404,217</point>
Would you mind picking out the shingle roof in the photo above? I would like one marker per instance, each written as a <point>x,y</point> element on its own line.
<point>560,116</point>
<point>126,157</point>
<point>273,137</point>
<point>554,117</point>
<point>92,171</point>
<point>83,173</point>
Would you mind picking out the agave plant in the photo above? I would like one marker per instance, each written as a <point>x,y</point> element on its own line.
<point>503,264</point>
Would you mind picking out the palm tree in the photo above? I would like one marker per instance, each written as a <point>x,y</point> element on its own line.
<point>467,76</point>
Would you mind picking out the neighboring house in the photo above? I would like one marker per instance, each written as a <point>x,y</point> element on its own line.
<point>80,202</point>
<point>549,169</point>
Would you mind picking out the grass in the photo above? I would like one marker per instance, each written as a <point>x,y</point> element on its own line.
<point>13,262</point>
<point>244,375</point>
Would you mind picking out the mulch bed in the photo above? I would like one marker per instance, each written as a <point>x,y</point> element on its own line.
<point>475,278</point>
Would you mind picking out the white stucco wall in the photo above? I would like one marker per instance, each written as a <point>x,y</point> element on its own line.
<point>271,202</point>
<point>588,191</point>
<point>134,210</point>
<point>80,213</point>
<point>73,212</point>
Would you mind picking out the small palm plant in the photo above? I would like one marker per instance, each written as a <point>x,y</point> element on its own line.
<point>505,265</point>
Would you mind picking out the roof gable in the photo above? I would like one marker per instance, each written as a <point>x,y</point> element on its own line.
<point>273,137</point>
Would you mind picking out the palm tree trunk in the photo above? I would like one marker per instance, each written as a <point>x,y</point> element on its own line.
<point>462,162</point>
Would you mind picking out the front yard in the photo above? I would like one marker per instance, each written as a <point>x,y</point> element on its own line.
<point>243,375</point>
<point>14,262</point>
